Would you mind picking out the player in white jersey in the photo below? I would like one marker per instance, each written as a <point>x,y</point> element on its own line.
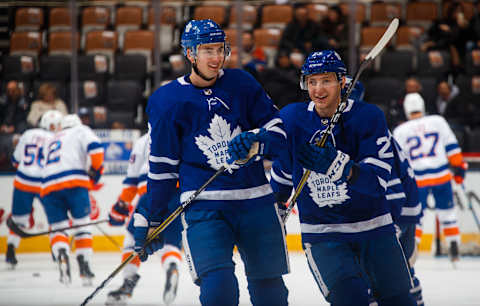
<point>135,183</point>
<point>27,158</point>
<point>65,187</point>
<point>433,149</point>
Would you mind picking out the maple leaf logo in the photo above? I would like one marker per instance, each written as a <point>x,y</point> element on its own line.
<point>215,146</point>
<point>324,192</point>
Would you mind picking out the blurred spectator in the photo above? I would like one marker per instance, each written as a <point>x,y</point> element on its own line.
<point>412,85</point>
<point>446,92</point>
<point>254,59</point>
<point>302,34</point>
<point>47,100</point>
<point>461,110</point>
<point>335,26</point>
<point>13,109</point>
<point>282,81</point>
<point>117,125</point>
<point>99,117</point>
<point>474,27</point>
<point>178,67</point>
<point>86,116</point>
<point>450,34</point>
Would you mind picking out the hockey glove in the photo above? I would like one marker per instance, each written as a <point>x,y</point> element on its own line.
<point>459,173</point>
<point>141,231</point>
<point>95,174</point>
<point>242,148</point>
<point>335,164</point>
<point>119,212</point>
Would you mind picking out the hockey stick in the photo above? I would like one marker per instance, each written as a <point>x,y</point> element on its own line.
<point>469,196</point>
<point>392,28</point>
<point>110,238</point>
<point>155,233</point>
<point>20,232</point>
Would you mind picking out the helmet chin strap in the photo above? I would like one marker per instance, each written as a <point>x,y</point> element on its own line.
<point>197,71</point>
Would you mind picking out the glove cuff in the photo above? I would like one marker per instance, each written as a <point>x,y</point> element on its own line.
<point>139,220</point>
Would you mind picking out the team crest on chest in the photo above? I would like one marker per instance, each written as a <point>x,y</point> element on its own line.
<point>215,145</point>
<point>324,192</point>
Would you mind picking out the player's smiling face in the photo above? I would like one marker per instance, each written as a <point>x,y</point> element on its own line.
<point>210,58</point>
<point>324,90</point>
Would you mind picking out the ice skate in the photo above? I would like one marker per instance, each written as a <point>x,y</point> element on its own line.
<point>119,297</point>
<point>64,267</point>
<point>85,273</point>
<point>10,258</point>
<point>171,284</point>
<point>453,253</point>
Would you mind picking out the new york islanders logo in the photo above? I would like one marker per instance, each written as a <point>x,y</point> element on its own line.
<point>324,192</point>
<point>215,146</point>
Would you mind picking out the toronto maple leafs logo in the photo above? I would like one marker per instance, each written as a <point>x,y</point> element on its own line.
<point>215,146</point>
<point>324,192</point>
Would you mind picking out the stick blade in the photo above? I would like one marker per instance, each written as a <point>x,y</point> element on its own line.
<point>392,28</point>
<point>16,229</point>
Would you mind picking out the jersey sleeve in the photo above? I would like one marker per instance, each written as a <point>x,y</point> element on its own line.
<point>374,158</point>
<point>135,164</point>
<point>164,159</point>
<point>17,155</point>
<point>449,141</point>
<point>93,147</point>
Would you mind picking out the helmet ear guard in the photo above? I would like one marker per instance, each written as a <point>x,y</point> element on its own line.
<point>303,82</point>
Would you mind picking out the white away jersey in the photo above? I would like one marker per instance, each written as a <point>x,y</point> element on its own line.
<point>28,158</point>
<point>66,159</point>
<point>430,145</point>
<point>136,180</point>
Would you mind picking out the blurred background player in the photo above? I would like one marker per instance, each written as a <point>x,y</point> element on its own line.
<point>433,148</point>
<point>28,159</point>
<point>65,190</point>
<point>136,184</point>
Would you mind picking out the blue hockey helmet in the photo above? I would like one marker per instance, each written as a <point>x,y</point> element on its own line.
<point>322,62</point>
<point>198,32</point>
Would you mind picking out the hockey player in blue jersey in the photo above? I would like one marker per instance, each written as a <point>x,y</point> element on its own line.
<point>347,227</point>
<point>191,121</point>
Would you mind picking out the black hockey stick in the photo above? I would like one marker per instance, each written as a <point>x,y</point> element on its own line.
<point>471,195</point>
<point>20,232</point>
<point>392,28</point>
<point>155,233</point>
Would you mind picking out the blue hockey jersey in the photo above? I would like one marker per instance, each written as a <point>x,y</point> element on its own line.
<point>402,190</point>
<point>352,209</point>
<point>190,128</point>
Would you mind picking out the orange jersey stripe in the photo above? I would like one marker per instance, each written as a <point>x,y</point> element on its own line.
<point>66,185</point>
<point>59,238</point>
<point>171,253</point>
<point>142,190</point>
<point>434,181</point>
<point>128,193</point>
<point>26,188</point>
<point>83,243</point>
<point>452,231</point>
<point>456,159</point>
<point>97,160</point>
<point>135,260</point>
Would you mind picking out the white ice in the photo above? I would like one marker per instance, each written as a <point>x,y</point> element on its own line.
<point>442,284</point>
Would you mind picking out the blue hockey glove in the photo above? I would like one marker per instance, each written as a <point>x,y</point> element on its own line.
<point>141,226</point>
<point>240,147</point>
<point>119,212</point>
<point>327,160</point>
<point>95,174</point>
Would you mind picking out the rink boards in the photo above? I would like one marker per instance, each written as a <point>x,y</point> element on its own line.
<point>113,185</point>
